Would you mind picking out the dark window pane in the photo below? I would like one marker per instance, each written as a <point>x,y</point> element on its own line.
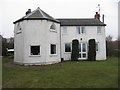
<point>53,49</point>
<point>67,47</point>
<point>78,29</point>
<point>80,47</point>
<point>35,50</point>
<point>84,55</point>
<point>84,47</point>
<point>80,56</point>
<point>52,26</point>
<point>83,30</point>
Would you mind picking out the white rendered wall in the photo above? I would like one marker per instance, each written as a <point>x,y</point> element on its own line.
<point>90,33</point>
<point>18,43</point>
<point>37,32</point>
<point>53,37</point>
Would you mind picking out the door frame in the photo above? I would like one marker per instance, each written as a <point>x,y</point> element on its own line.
<point>86,52</point>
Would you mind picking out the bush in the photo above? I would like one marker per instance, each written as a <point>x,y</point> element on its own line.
<point>92,50</point>
<point>75,50</point>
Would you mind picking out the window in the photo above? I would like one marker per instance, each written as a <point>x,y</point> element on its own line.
<point>52,49</point>
<point>18,28</point>
<point>35,50</point>
<point>80,30</point>
<point>53,27</point>
<point>83,50</point>
<point>97,46</point>
<point>99,29</point>
<point>67,47</point>
<point>64,30</point>
<point>84,47</point>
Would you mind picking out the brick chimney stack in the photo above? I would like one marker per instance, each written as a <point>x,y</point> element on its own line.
<point>97,16</point>
<point>29,11</point>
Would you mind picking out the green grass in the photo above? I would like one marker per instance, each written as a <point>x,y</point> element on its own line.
<point>82,74</point>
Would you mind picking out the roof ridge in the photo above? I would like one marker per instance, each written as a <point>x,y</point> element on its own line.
<point>75,18</point>
<point>41,12</point>
<point>30,13</point>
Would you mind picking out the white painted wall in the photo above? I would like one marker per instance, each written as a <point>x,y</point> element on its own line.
<point>18,43</point>
<point>91,33</point>
<point>37,32</point>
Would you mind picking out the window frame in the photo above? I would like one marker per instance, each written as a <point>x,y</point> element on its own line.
<point>53,30</point>
<point>70,47</point>
<point>19,29</point>
<point>99,30</point>
<point>39,50</point>
<point>50,49</point>
<point>97,47</point>
<point>65,31</point>
<point>80,30</point>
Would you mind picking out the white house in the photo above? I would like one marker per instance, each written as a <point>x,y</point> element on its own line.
<point>42,39</point>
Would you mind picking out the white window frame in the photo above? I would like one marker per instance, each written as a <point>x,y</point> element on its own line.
<point>70,47</point>
<point>50,49</point>
<point>98,47</point>
<point>81,30</point>
<point>30,51</point>
<point>86,46</point>
<point>99,30</point>
<point>53,30</point>
<point>64,30</point>
<point>19,29</point>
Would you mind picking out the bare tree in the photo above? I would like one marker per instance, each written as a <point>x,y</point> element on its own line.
<point>109,38</point>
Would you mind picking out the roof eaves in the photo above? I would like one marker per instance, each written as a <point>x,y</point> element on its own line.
<point>36,19</point>
<point>83,25</point>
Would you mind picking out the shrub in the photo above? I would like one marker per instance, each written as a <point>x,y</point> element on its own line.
<point>92,50</point>
<point>75,50</point>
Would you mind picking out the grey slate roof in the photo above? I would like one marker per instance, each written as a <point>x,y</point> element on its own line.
<point>81,22</point>
<point>37,14</point>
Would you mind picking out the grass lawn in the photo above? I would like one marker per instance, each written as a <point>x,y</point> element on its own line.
<point>82,74</point>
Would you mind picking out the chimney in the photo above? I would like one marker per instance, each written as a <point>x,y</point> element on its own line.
<point>29,11</point>
<point>97,16</point>
<point>103,18</point>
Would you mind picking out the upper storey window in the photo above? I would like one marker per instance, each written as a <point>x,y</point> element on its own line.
<point>99,30</point>
<point>80,30</point>
<point>18,28</point>
<point>53,27</point>
<point>64,30</point>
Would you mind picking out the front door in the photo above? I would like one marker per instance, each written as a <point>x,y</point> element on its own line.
<point>82,51</point>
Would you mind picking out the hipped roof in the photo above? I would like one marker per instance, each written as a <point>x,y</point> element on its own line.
<point>37,14</point>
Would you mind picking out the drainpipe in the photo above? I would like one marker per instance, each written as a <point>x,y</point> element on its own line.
<point>60,44</point>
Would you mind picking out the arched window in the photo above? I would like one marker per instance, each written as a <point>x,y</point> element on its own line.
<point>53,27</point>
<point>19,29</point>
<point>19,26</point>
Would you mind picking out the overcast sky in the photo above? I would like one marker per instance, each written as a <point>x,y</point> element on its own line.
<point>12,10</point>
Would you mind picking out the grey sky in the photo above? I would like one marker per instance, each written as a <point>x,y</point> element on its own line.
<point>11,10</point>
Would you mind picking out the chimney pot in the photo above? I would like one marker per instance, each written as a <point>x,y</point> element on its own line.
<point>103,18</point>
<point>29,11</point>
<point>97,16</point>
